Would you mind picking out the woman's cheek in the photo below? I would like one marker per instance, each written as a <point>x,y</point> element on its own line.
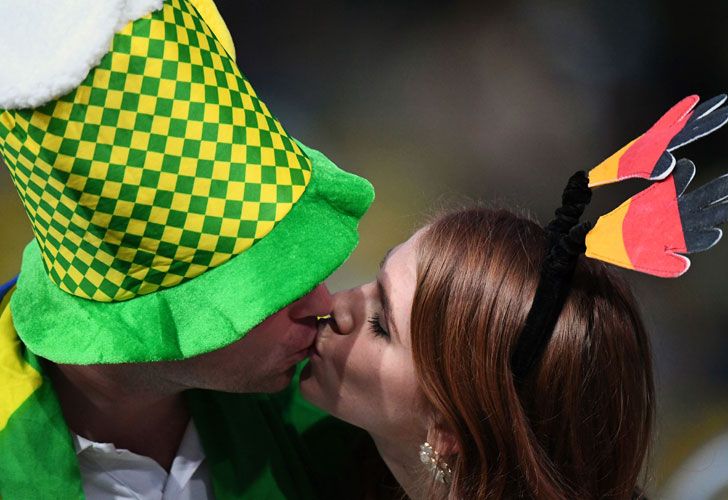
<point>399,401</point>
<point>359,391</point>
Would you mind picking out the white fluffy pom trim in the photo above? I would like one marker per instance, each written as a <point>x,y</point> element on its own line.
<point>48,47</point>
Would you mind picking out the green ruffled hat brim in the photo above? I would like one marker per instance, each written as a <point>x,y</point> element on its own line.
<point>212,310</point>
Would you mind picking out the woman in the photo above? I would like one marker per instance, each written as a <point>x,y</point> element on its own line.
<point>421,359</point>
<point>491,359</point>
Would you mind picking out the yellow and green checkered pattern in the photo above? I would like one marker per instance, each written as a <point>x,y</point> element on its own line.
<point>162,164</point>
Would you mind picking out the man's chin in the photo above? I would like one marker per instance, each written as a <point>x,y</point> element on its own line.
<point>272,383</point>
<point>280,382</point>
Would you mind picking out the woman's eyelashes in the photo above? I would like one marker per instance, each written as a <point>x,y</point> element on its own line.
<point>375,324</point>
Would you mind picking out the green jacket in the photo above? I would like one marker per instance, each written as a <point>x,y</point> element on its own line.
<point>258,446</point>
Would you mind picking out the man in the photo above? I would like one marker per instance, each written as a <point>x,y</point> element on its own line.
<point>181,238</point>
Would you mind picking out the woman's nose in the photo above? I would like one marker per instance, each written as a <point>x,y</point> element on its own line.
<point>316,303</point>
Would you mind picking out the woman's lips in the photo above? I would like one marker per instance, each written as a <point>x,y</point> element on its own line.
<point>313,350</point>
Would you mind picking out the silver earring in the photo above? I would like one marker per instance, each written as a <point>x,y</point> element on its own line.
<point>435,463</point>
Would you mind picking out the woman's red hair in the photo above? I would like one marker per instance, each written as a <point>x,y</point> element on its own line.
<point>579,426</point>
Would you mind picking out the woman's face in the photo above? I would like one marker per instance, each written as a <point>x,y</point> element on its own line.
<point>363,371</point>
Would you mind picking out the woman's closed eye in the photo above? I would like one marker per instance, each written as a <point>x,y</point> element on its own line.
<point>375,324</point>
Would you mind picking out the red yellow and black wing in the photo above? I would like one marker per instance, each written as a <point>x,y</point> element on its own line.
<point>649,156</point>
<point>651,231</point>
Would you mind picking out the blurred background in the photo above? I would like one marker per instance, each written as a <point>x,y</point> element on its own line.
<point>443,102</point>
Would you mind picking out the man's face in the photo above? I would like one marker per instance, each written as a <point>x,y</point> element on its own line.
<point>265,359</point>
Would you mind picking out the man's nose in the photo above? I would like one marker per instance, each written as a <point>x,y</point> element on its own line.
<point>317,302</point>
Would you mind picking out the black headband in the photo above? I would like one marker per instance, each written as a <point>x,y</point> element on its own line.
<point>565,243</point>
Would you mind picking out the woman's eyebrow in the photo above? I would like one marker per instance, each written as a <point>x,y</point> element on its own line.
<point>384,259</point>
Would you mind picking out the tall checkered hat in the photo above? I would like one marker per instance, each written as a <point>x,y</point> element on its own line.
<point>171,211</point>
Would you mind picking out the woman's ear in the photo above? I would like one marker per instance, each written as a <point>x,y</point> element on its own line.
<point>443,440</point>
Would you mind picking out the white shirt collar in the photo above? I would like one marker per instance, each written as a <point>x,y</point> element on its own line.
<point>137,474</point>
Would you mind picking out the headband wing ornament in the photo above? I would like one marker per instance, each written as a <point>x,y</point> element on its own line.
<point>649,233</point>
<point>650,155</point>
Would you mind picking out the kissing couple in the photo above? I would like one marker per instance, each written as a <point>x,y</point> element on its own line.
<point>169,335</point>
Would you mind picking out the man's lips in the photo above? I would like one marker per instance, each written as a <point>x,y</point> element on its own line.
<point>297,357</point>
<point>304,349</point>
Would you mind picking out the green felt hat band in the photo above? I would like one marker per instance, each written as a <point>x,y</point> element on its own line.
<point>207,312</point>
